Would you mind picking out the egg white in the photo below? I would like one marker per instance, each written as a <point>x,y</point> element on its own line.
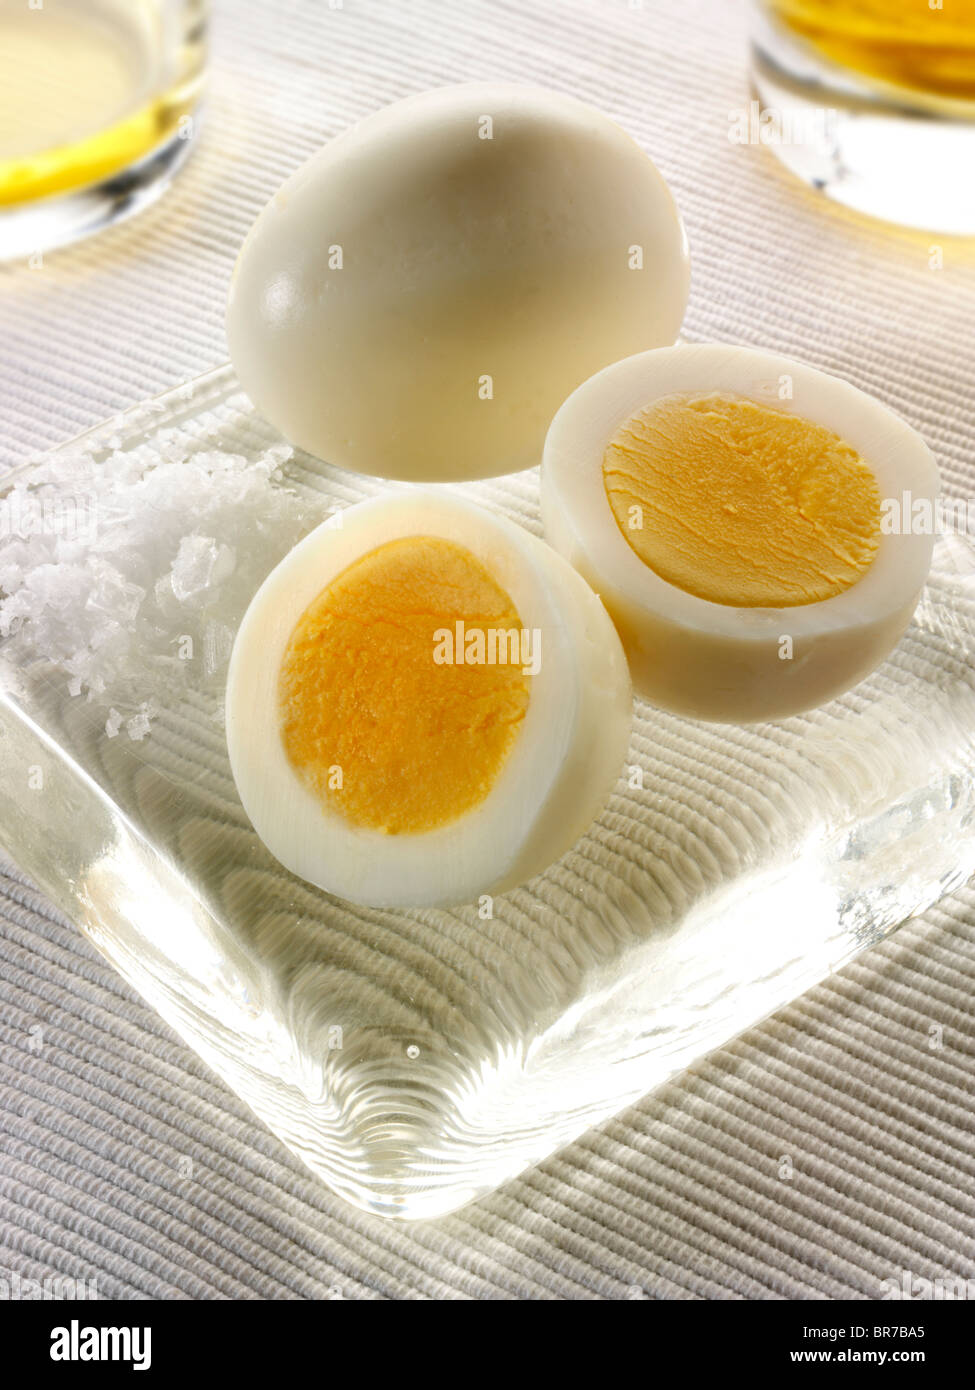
<point>716,661</point>
<point>560,769</point>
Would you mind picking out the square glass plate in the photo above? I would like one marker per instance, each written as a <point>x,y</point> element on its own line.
<point>417,1059</point>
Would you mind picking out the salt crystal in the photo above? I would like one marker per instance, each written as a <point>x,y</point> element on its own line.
<point>112,594</point>
<point>113,723</point>
<point>201,563</point>
<point>218,641</point>
<point>57,586</point>
<point>163,589</point>
<point>138,726</point>
<point>278,454</point>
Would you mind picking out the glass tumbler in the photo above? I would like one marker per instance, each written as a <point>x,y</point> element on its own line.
<point>98,108</point>
<point>873,102</point>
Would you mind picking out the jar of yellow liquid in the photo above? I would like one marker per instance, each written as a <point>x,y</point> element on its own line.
<point>873,102</point>
<point>98,108</point>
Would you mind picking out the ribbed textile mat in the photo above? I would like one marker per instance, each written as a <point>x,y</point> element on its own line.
<point>821,1154</point>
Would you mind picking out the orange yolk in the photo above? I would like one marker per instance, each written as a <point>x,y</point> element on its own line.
<point>379,730</point>
<point>740,503</point>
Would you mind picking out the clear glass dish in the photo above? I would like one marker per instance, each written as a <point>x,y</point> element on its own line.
<point>415,1060</point>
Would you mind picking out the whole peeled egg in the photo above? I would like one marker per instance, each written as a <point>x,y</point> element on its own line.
<point>419,298</point>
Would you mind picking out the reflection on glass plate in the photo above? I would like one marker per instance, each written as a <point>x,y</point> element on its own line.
<point>417,1059</point>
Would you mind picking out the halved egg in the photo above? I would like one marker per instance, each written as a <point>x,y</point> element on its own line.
<point>742,517</point>
<point>425,704</point>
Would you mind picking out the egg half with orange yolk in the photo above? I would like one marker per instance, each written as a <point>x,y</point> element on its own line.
<point>732,508</point>
<point>425,704</point>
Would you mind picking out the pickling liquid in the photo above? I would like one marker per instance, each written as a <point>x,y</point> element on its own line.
<point>88,87</point>
<point>923,45</point>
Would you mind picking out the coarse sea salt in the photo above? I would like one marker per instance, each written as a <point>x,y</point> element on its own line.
<point>201,562</point>
<point>124,569</point>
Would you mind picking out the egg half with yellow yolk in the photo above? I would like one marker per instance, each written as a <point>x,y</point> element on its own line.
<point>731,508</point>
<point>425,704</point>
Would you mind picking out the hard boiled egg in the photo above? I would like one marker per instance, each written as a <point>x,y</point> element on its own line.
<point>425,704</point>
<point>742,517</point>
<point>421,296</point>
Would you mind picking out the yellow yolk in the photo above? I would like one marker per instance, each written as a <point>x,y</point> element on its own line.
<point>378,729</point>
<point>740,503</point>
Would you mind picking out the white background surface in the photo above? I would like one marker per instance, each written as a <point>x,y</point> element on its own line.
<point>121,1158</point>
